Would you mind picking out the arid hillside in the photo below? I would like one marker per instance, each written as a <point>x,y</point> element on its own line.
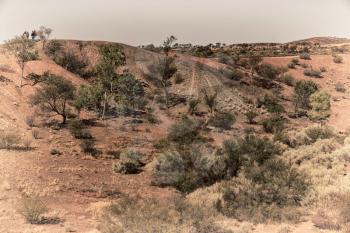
<point>140,145</point>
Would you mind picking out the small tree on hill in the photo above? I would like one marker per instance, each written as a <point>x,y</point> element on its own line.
<point>164,71</point>
<point>54,96</point>
<point>23,49</point>
<point>302,92</point>
<point>253,62</point>
<point>44,34</point>
<point>168,44</point>
<point>210,99</point>
<point>129,90</point>
<point>112,57</point>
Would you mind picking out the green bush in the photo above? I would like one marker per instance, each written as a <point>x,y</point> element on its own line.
<point>222,120</point>
<point>295,61</point>
<point>313,73</point>
<point>288,80</point>
<point>302,92</point>
<point>33,208</point>
<point>340,87</point>
<point>338,59</point>
<point>129,163</point>
<point>233,74</point>
<point>184,131</point>
<point>316,133</point>
<point>250,116</point>
<point>187,169</point>
<point>273,124</point>
<point>71,62</point>
<point>271,104</point>
<point>320,101</point>
<point>76,128</point>
<point>53,48</point>
<point>268,71</point>
<point>272,191</point>
<point>305,56</point>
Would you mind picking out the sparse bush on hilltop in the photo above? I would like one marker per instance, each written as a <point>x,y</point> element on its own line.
<point>53,48</point>
<point>71,62</point>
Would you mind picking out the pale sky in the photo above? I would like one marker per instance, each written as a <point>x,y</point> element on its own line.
<point>138,22</point>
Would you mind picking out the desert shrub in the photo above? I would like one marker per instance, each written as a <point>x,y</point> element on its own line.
<point>317,132</point>
<point>340,87</point>
<point>193,106</point>
<point>320,101</point>
<point>233,74</point>
<point>184,131</point>
<point>320,105</point>
<point>312,73</point>
<point>222,120</point>
<point>9,139</point>
<point>53,48</point>
<point>304,65</point>
<point>113,154</point>
<point>302,92</point>
<point>30,121</point>
<point>55,152</point>
<point>250,116</point>
<point>136,215</point>
<point>36,134</point>
<point>288,80</point>
<point>291,65</point>
<point>271,191</point>
<point>76,128</point>
<point>27,142</point>
<point>268,71</point>
<point>71,62</point>
<point>323,69</point>
<point>305,56</point>
<point>337,59</point>
<point>178,78</point>
<point>88,147</point>
<point>281,136</point>
<point>33,208</point>
<point>129,163</point>
<point>186,169</point>
<point>323,220</point>
<point>271,103</point>
<point>273,124</point>
<point>151,117</point>
<point>295,61</point>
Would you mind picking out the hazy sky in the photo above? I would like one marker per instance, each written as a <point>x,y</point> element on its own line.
<point>196,21</point>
